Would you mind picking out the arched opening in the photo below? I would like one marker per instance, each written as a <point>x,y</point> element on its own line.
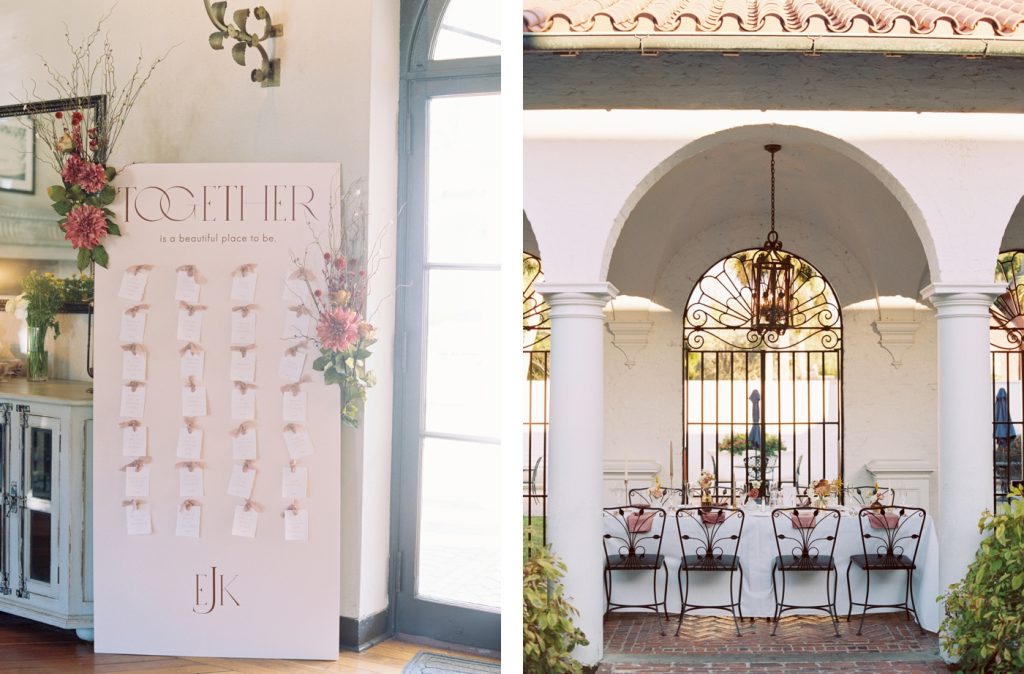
<point>761,409</point>
<point>536,422</point>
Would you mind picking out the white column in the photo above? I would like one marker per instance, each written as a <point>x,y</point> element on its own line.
<point>965,421</point>
<point>575,458</point>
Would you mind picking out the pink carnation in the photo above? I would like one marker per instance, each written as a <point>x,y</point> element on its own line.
<point>338,329</point>
<point>90,177</point>
<point>85,227</point>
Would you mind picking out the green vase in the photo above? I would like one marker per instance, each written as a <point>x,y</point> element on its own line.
<point>38,360</point>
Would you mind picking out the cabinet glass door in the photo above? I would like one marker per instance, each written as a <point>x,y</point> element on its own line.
<point>6,498</point>
<point>40,544</point>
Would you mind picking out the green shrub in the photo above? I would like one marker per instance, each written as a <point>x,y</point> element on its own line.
<point>737,444</point>
<point>549,636</point>
<point>983,626</point>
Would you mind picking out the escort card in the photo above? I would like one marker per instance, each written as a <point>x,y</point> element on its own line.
<point>136,481</point>
<point>294,483</point>
<point>139,519</point>
<point>245,522</point>
<point>296,525</point>
<point>298,443</point>
<point>133,441</point>
<point>133,365</point>
<point>190,482</point>
<point>243,405</point>
<point>295,324</point>
<point>187,525</point>
<point>133,403</point>
<point>186,289</point>
<point>293,406</point>
<point>190,327</point>
<point>243,288</point>
<point>133,285</point>
<point>291,367</point>
<point>193,403</point>
<point>192,364</point>
<point>243,327</point>
<point>190,445</point>
<point>243,445</point>
<point>133,327</point>
<point>243,367</point>
<point>241,481</point>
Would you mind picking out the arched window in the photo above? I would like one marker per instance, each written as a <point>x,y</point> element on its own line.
<point>1006,337</point>
<point>446,458</point>
<point>761,408</point>
<point>537,361</point>
<point>468,29</point>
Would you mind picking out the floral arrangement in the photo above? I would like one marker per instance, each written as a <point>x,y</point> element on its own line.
<point>706,481</point>
<point>877,500</point>
<point>837,486</point>
<point>822,488</point>
<point>754,491</point>
<point>344,334</point>
<point>80,142</point>
<point>42,297</point>
<point>657,491</point>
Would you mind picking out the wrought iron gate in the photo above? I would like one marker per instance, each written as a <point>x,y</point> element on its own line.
<point>1006,337</point>
<point>761,406</point>
<point>537,355</point>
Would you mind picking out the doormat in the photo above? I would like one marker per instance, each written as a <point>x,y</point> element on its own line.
<point>437,663</point>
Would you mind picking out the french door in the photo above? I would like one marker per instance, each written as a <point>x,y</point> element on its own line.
<point>447,533</point>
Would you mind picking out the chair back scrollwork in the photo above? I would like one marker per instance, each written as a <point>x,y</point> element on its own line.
<point>663,498</point>
<point>807,534</point>
<point>891,535</point>
<point>709,536</point>
<point>633,534</point>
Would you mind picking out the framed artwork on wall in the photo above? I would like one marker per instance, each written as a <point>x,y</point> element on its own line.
<point>17,156</point>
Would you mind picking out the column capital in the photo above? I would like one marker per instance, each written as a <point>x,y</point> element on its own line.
<point>962,299</point>
<point>568,298</point>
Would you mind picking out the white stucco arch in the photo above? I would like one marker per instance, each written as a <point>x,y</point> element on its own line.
<point>774,133</point>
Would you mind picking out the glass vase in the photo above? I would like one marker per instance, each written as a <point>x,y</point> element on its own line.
<point>38,365</point>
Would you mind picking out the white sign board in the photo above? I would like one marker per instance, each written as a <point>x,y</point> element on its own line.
<point>216,519</point>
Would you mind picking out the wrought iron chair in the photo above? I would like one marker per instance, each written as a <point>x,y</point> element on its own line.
<point>670,496</point>
<point>806,540</point>
<point>629,530</point>
<point>890,537</point>
<point>710,538</point>
<point>861,496</point>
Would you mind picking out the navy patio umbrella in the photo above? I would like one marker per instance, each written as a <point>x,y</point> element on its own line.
<point>1003,427</point>
<point>754,434</point>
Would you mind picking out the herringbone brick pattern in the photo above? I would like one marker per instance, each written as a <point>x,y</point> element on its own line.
<point>634,645</point>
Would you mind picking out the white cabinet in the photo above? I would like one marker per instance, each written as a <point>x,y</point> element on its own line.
<point>46,502</point>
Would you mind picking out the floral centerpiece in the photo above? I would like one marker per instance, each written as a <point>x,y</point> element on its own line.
<point>754,490</point>
<point>344,334</point>
<point>80,140</point>
<point>821,491</point>
<point>706,483</point>
<point>657,491</point>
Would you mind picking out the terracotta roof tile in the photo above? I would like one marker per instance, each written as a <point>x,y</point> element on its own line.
<point>974,18</point>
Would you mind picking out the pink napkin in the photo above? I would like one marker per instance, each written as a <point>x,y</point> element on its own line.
<point>888,520</point>
<point>802,520</point>
<point>639,524</point>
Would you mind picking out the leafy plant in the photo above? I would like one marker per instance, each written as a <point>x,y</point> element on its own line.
<point>737,444</point>
<point>549,635</point>
<point>43,295</point>
<point>983,626</point>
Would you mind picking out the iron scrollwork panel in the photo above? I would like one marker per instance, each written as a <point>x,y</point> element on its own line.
<point>7,497</point>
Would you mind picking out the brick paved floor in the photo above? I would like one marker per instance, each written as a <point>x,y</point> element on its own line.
<point>633,645</point>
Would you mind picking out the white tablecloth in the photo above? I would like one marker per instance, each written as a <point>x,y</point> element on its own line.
<point>757,550</point>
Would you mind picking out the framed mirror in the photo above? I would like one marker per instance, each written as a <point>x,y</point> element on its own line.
<point>29,236</point>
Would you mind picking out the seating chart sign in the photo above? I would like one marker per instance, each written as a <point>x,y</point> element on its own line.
<point>216,476</point>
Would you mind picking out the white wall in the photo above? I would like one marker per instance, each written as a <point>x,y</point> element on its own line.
<point>338,102</point>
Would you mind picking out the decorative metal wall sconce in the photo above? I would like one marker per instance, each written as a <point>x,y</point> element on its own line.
<point>269,72</point>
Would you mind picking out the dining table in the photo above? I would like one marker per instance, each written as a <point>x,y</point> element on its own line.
<point>757,551</point>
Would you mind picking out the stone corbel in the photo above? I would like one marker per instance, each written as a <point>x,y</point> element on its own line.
<point>895,337</point>
<point>629,337</point>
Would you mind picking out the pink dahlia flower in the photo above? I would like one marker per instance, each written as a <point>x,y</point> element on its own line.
<point>85,227</point>
<point>90,177</point>
<point>338,329</point>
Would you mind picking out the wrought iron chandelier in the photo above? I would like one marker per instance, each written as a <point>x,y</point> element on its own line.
<point>772,275</point>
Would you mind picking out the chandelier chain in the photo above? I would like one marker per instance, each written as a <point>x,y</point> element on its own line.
<point>773,192</point>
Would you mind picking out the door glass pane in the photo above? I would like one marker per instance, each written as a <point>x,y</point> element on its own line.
<point>469,28</point>
<point>41,467</point>
<point>463,200</point>
<point>39,546</point>
<point>462,353</point>
<point>459,530</point>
